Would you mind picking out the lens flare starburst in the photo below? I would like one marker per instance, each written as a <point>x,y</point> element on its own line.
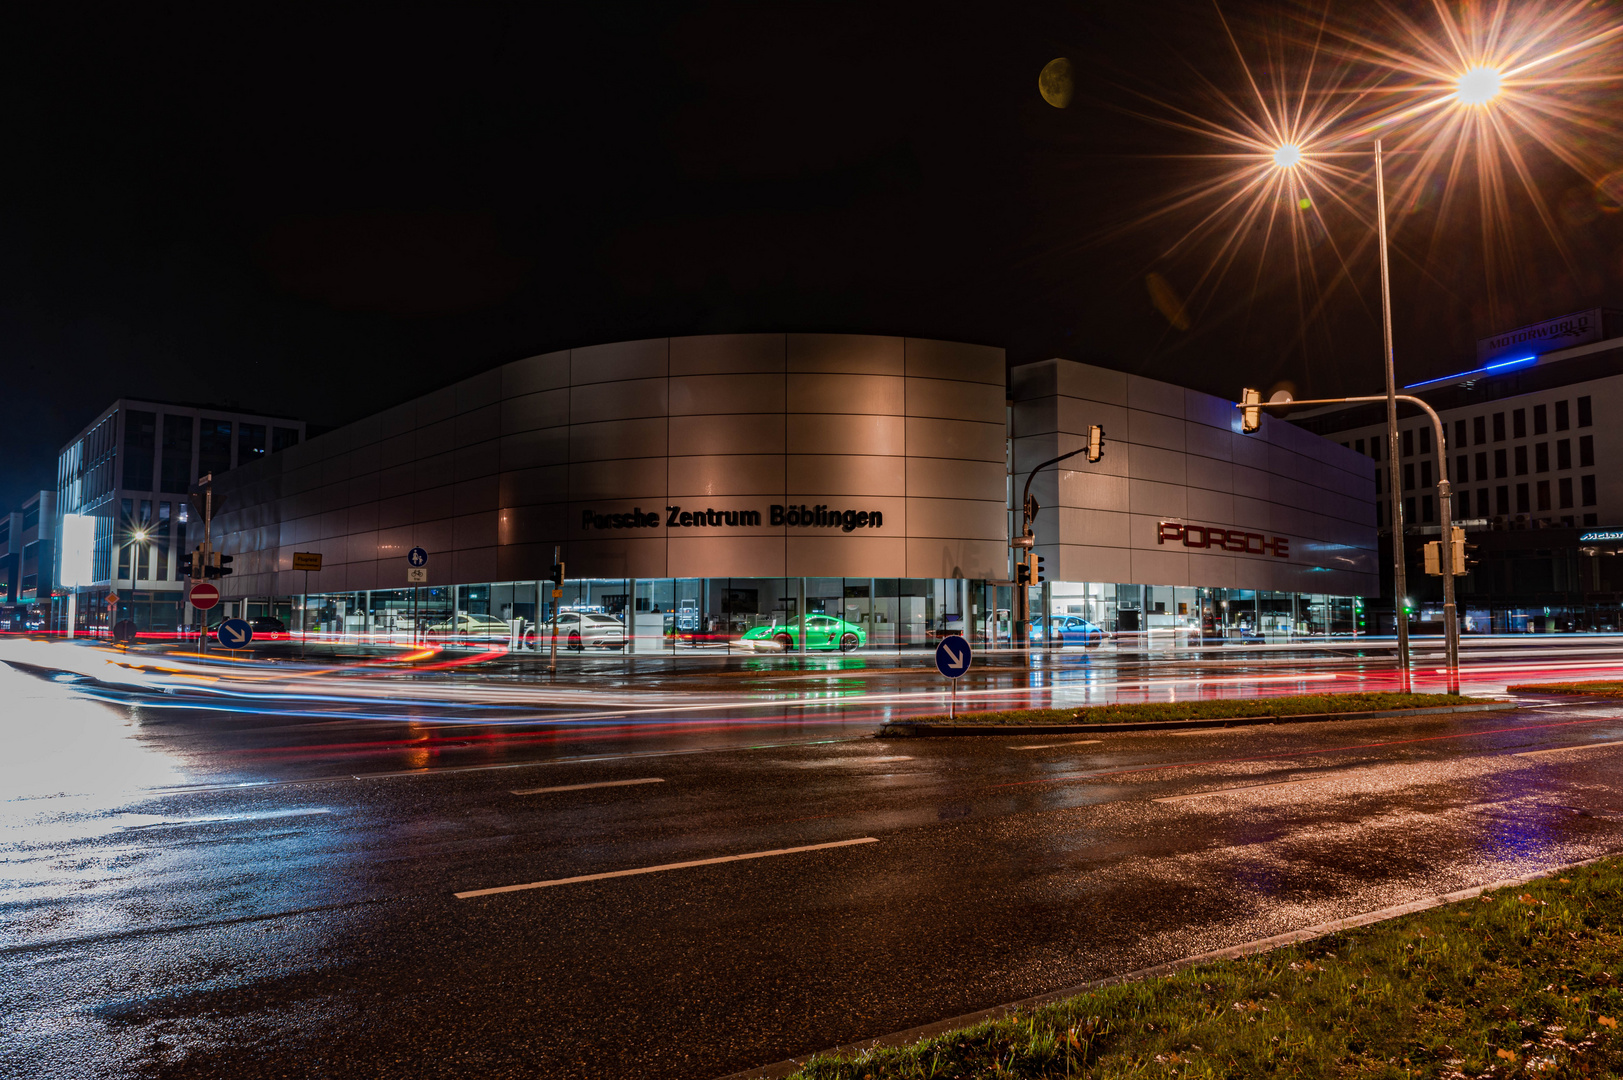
<point>1483,107</point>
<point>1478,85</point>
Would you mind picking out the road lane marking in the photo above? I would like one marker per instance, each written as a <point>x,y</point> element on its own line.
<point>1052,745</point>
<point>272,815</point>
<point>666,866</point>
<point>1568,749</point>
<point>1232,790</point>
<point>583,787</point>
<point>1132,770</point>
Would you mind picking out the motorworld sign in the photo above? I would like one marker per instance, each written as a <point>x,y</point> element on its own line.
<point>820,516</point>
<point>1579,328</point>
<point>1223,538</point>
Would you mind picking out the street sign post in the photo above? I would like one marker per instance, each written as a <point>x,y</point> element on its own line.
<point>235,633</point>
<point>307,561</point>
<point>953,658</point>
<point>416,574</point>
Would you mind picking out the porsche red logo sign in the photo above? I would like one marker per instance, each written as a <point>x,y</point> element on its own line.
<point>1236,540</point>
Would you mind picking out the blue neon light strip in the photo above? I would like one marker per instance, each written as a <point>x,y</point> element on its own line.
<point>1519,361</point>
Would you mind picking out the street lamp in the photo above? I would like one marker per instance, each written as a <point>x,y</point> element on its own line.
<point>1478,85</point>
<point>1475,87</point>
<point>137,536</point>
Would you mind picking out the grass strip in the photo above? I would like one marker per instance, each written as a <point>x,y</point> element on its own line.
<point>1519,983</point>
<point>1292,705</point>
<point>1586,689</point>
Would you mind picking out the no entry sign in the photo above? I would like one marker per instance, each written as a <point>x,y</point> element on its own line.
<point>204,596</point>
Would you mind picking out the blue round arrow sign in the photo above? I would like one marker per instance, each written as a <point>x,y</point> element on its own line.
<point>234,633</point>
<point>952,657</point>
<point>417,557</point>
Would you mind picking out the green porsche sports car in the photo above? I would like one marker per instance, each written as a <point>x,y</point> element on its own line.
<point>822,632</point>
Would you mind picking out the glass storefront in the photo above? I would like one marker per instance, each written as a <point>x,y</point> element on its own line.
<point>765,615</point>
<point>1207,614</point>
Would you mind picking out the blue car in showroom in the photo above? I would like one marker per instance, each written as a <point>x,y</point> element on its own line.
<point>1068,630</point>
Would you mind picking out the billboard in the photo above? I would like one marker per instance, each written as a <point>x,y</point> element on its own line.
<point>78,550</point>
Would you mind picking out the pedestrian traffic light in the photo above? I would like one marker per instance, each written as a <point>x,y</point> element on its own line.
<point>1039,573</point>
<point>1096,442</point>
<point>187,561</point>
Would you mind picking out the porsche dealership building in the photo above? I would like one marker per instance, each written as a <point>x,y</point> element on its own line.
<point>701,488</point>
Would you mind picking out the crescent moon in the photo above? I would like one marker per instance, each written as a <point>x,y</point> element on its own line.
<point>1054,83</point>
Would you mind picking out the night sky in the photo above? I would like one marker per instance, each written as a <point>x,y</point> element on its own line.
<point>320,214</point>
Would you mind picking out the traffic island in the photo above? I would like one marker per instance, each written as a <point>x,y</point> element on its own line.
<point>1572,689</point>
<point>1150,716</point>
<point>1520,981</point>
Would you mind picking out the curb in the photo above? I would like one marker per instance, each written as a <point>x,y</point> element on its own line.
<point>1249,948</point>
<point>906,729</point>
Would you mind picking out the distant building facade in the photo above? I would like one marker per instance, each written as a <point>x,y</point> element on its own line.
<point>1535,458</point>
<point>27,561</point>
<point>132,469</point>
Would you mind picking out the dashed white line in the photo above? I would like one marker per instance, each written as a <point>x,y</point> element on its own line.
<point>666,866</point>
<point>583,787</point>
<point>270,815</point>
<point>1052,745</point>
<point>1232,790</point>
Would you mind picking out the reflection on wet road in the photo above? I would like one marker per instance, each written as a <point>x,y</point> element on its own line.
<point>209,878</point>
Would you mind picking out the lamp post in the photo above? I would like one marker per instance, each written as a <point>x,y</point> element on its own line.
<point>1400,582</point>
<point>1476,87</point>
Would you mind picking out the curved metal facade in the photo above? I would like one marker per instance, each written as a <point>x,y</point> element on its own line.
<point>747,455</point>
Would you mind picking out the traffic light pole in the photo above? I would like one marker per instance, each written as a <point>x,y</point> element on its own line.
<point>557,586</point>
<point>1445,504</point>
<point>1027,540</point>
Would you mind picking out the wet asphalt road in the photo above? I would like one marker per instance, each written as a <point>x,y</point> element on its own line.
<point>160,919</point>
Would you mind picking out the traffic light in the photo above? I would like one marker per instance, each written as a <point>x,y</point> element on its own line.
<point>224,563</point>
<point>1434,557</point>
<point>557,576</point>
<point>1039,573</point>
<point>1096,442</point>
<point>1250,410</point>
<point>1022,573</point>
<point>187,561</point>
<point>217,565</point>
<point>1459,551</point>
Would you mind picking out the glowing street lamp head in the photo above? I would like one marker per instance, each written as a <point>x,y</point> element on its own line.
<point>1288,156</point>
<point>1478,86</point>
